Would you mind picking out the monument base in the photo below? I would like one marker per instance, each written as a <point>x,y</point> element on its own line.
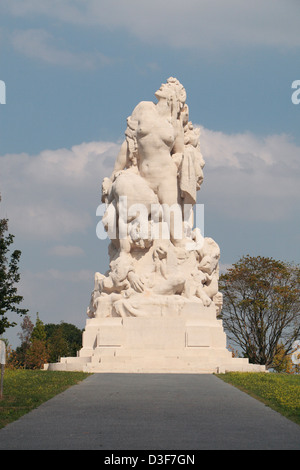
<point>192,342</point>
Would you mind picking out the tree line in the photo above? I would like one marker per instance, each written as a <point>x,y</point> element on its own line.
<point>42,343</point>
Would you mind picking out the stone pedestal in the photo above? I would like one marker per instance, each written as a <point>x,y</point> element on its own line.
<point>192,341</point>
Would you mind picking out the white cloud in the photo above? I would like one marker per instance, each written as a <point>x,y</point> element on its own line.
<point>205,24</point>
<point>54,194</point>
<point>39,44</point>
<point>250,177</point>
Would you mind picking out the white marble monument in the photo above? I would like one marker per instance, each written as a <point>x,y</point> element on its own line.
<point>156,308</point>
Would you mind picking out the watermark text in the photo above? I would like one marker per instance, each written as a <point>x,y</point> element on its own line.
<point>120,220</point>
<point>2,92</point>
<point>296,94</point>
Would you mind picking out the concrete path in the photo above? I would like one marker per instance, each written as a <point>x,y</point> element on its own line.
<point>151,412</point>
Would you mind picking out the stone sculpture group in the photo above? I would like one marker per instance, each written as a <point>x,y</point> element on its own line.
<point>156,308</point>
<point>150,197</point>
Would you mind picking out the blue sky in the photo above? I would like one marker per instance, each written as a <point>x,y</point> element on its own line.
<point>75,69</point>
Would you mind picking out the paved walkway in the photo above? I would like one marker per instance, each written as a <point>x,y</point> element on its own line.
<point>151,412</point>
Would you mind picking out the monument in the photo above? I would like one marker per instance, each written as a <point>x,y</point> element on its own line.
<point>156,308</point>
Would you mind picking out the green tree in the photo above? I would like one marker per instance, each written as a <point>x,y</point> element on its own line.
<point>37,353</point>
<point>64,339</point>
<point>261,309</point>
<point>41,343</point>
<point>57,346</point>
<point>9,277</point>
<point>39,331</point>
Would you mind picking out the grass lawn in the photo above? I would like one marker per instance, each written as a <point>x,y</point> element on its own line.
<point>279,391</point>
<point>24,390</point>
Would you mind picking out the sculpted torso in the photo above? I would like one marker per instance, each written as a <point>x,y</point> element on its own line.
<point>155,140</point>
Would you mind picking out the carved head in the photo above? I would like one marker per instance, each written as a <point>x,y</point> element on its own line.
<point>210,255</point>
<point>172,91</point>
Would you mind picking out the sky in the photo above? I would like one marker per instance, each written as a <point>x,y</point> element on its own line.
<point>75,69</point>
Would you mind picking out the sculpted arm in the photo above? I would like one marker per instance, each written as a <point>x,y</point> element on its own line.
<point>179,141</point>
<point>122,159</point>
<point>120,164</point>
<point>178,148</point>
